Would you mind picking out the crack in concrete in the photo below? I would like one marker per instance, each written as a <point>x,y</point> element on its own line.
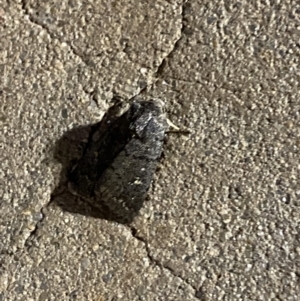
<point>39,223</point>
<point>157,74</point>
<point>176,45</point>
<point>160,69</point>
<point>36,22</point>
<point>34,231</point>
<point>207,84</point>
<point>156,262</point>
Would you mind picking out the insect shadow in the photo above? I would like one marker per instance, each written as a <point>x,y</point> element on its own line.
<point>118,158</point>
<point>68,149</point>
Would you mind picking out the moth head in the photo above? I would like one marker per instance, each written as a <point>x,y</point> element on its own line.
<point>145,111</point>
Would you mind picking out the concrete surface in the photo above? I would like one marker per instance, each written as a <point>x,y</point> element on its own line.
<point>223,217</point>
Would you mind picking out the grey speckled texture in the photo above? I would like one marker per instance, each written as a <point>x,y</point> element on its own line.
<point>223,217</point>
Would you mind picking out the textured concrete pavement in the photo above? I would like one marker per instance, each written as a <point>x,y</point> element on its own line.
<point>222,220</point>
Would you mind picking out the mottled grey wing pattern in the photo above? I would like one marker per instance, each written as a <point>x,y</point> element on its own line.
<point>117,167</point>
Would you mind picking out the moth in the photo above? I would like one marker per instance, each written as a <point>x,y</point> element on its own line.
<point>119,161</point>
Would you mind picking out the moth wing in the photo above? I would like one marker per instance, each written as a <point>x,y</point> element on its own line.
<point>124,185</point>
